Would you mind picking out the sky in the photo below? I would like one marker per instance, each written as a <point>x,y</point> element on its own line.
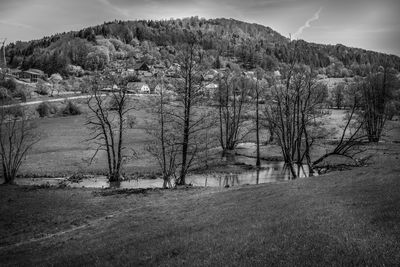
<point>368,24</point>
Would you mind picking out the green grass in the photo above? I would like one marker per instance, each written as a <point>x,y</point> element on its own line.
<point>64,140</point>
<point>344,218</point>
<point>64,147</point>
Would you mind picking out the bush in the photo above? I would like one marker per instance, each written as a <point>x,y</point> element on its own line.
<point>45,109</point>
<point>10,84</point>
<point>131,120</point>
<point>20,94</point>
<point>16,111</point>
<point>4,94</point>
<point>42,88</point>
<point>71,109</point>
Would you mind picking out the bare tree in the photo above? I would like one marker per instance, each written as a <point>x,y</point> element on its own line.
<point>351,138</point>
<point>376,92</point>
<point>232,107</point>
<point>107,123</point>
<point>338,95</point>
<point>258,90</point>
<point>165,144</point>
<point>293,112</point>
<point>188,118</point>
<point>17,137</point>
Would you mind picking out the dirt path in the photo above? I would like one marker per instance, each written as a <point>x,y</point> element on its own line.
<point>44,236</point>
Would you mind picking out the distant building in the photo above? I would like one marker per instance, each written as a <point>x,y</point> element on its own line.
<point>173,70</point>
<point>210,89</point>
<point>143,69</point>
<point>210,75</point>
<point>32,75</point>
<point>15,73</point>
<point>277,73</point>
<point>138,88</point>
<point>128,72</point>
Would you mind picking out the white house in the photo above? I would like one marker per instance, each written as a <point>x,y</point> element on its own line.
<point>138,87</point>
<point>277,73</point>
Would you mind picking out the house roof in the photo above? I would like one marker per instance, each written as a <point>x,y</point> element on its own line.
<point>142,66</point>
<point>35,72</point>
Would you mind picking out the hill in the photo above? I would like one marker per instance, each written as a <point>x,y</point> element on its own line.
<point>249,45</point>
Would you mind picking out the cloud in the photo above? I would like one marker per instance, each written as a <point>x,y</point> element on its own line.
<point>307,24</point>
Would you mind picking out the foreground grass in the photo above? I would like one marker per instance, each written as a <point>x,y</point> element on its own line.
<point>344,218</point>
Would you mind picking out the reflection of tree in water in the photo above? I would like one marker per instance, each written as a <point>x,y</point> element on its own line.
<point>115,184</point>
<point>300,170</point>
<point>226,179</point>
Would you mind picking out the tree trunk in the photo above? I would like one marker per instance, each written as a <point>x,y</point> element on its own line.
<point>258,163</point>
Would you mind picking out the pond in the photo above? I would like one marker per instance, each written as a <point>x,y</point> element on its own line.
<point>270,171</point>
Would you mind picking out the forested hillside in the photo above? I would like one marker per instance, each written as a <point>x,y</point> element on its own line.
<point>248,45</point>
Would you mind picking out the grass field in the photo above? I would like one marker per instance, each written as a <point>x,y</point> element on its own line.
<point>343,218</point>
<point>64,149</point>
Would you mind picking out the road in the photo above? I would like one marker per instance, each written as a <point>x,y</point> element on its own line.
<point>22,104</point>
<point>47,100</point>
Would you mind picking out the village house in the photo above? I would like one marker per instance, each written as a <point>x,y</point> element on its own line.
<point>173,70</point>
<point>210,75</point>
<point>143,69</point>
<point>128,72</point>
<point>138,88</point>
<point>114,88</point>
<point>31,75</point>
<point>209,89</point>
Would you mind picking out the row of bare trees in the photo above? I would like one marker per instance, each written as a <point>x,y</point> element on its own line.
<point>185,129</point>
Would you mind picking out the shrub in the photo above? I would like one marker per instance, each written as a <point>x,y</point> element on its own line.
<point>45,109</point>
<point>4,95</point>
<point>16,111</point>
<point>10,84</point>
<point>42,88</point>
<point>71,109</point>
<point>131,121</point>
<point>20,94</point>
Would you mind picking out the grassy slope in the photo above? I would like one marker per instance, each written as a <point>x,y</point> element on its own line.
<point>344,218</point>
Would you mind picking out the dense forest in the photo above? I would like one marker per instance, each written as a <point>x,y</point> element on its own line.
<point>249,45</point>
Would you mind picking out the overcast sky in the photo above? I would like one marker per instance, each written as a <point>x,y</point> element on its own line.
<point>368,24</point>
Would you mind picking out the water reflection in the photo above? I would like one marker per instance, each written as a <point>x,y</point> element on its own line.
<point>271,171</point>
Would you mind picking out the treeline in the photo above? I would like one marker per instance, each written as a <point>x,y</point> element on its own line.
<point>251,45</point>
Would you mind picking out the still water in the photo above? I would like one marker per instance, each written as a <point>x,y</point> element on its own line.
<point>271,171</point>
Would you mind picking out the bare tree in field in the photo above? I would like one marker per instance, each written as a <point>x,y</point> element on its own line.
<point>293,110</point>
<point>377,90</point>
<point>232,107</point>
<point>351,138</point>
<point>107,122</point>
<point>258,89</point>
<point>189,117</point>
<point>165,144</point>
<point>17,137</point>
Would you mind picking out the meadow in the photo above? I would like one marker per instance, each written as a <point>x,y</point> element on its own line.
<point>342,218</point>
<point>64,148</point>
